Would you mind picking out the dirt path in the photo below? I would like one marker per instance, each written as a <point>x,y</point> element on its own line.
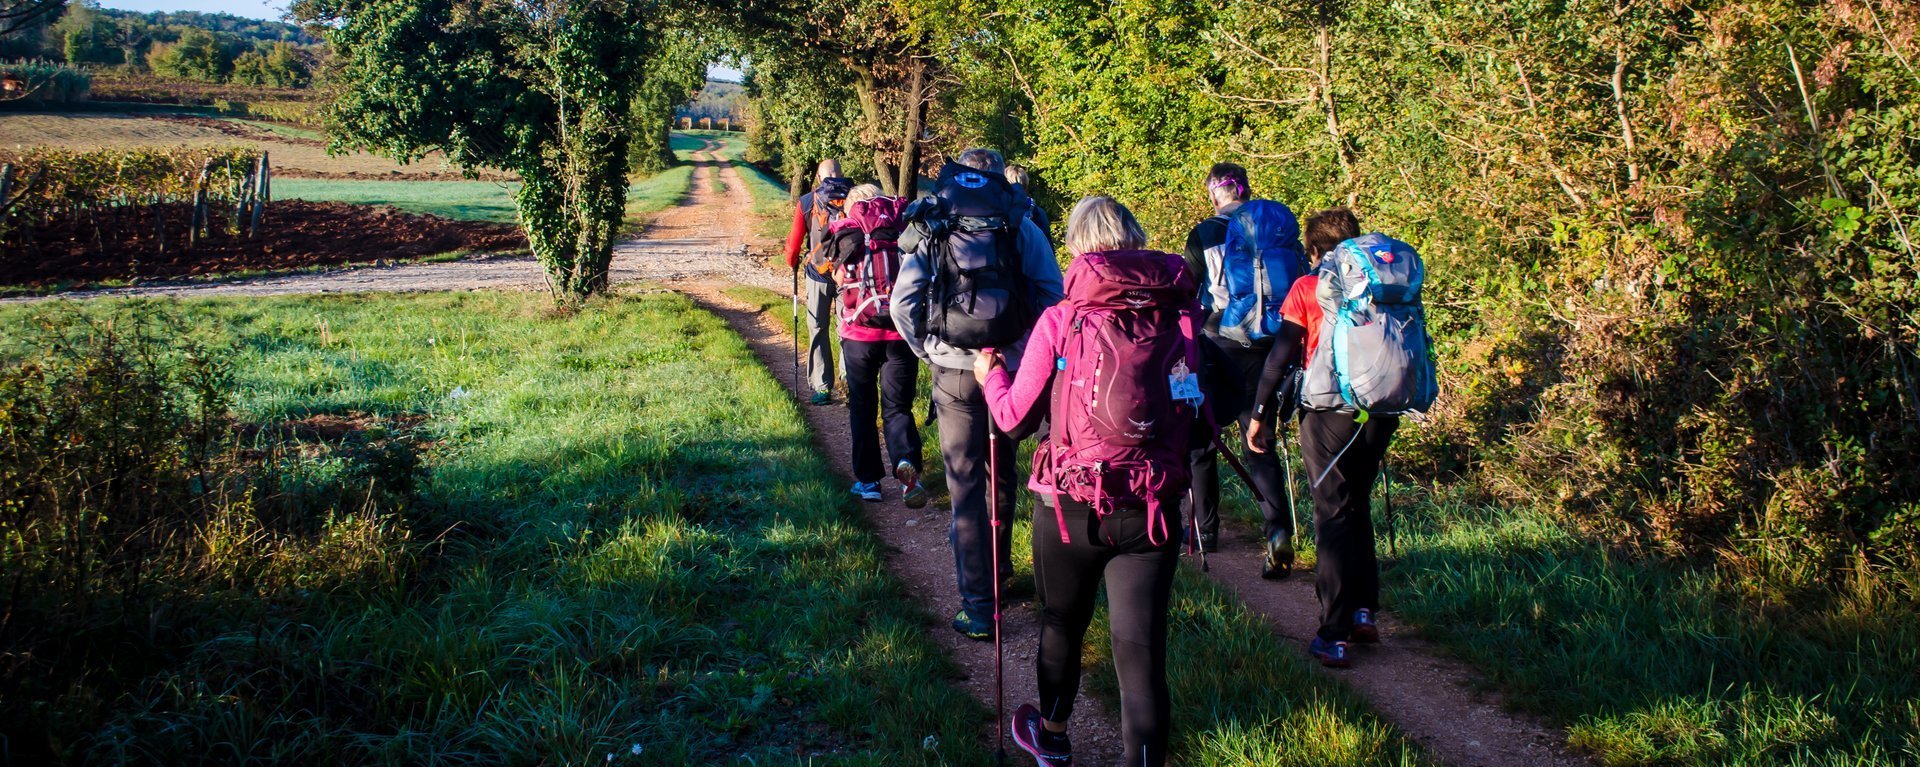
<point>917,549</point>
<point>689,241</point>
<point>1407,680</point>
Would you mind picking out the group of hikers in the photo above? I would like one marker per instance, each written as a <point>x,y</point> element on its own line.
<point>1122,370</point>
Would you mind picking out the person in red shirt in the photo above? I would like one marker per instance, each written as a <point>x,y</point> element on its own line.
<point>808,232</point>
<point>1347,575</point>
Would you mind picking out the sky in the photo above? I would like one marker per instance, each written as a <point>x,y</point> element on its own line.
<point>274,9</point>
<point>253,9</point>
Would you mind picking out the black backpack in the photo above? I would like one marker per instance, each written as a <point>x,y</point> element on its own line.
<point>977,297</point>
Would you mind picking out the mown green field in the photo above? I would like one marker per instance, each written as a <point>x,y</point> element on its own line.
<point>471,200</point>
<point>624,550</point>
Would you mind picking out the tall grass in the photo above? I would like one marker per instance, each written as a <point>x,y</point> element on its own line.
<point>634,556</point>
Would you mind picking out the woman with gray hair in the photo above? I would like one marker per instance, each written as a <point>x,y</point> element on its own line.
<point>1116,366</point>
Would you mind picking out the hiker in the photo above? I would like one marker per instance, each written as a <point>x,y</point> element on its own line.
<point>881,371</point>
<point>1115,366</point>
<point>817,210</point>
<point>1348,420</point>
<point>1017,175</point>
<point>1229,254</point>
<point>975,273</point>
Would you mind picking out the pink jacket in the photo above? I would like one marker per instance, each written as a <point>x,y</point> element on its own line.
<point>1013,399</point>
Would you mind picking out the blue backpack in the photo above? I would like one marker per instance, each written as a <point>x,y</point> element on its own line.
<point>1374,354</point>
<point>1261,259</point>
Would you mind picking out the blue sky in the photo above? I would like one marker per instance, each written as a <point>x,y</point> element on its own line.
<point>255,9</point>
<point>274,9</point>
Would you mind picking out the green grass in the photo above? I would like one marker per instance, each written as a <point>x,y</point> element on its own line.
<point>1647,662</point>
<point>471,200</point>
<point>629,540</point>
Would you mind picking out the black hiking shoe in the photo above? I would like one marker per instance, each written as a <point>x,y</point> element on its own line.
<point>1331,654</point>
<point>1364,630</point>
<point>1279,562</point>
<point>911,490</point>
<point>821,398</point>
<point>976,629</point>
<point>1049,749</point>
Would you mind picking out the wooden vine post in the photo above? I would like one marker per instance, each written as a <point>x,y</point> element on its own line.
<point>199,213</point>
<point>262,186</point>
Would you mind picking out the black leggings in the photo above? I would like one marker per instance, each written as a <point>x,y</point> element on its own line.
<point>1139,578</point>
<point>881,379</point>
<point>1346,573</point>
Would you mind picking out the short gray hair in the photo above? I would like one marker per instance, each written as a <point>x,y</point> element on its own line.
<point>863,192</point>
<point>1017,174</point>
<point>1100,223</point>
<point>979,158</point>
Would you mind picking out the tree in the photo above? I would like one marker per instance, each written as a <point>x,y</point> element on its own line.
<point>86,36</point>
<point>17,15</point>
<point>198,55</point>
<point>280,65</point>
<point>543,88</point>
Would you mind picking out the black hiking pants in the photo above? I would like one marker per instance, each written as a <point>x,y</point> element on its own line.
<point>1347,576</point>
<point>1139,579</point>
<point>1245,366</point>
<point>881,379</point>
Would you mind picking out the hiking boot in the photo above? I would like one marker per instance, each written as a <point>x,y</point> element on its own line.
<point>821,398</point>
<point>868,491</point>
<point>1049,749</point>
<point>1279,562</point>
<point>1364,630</point>
<point>976,629</point>
<point>1331,654</point>
<point>1210,542</point>
<point>910,489</point>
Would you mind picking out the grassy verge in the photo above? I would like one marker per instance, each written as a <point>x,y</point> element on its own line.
<point>1648,662</point>
<point>629,553</point>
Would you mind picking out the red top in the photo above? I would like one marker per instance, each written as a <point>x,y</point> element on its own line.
<point>1302,308</point>
<point>797,236</point>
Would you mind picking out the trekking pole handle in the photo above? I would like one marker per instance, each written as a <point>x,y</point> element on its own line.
<point>1234,461</point>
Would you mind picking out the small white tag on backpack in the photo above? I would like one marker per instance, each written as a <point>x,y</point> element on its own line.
<point>1184,384</point>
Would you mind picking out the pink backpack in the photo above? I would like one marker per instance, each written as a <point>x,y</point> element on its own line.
<point>1119,434</point>
<point>866,283</point>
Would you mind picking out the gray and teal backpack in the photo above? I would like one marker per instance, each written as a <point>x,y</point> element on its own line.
<point>1374,354</point>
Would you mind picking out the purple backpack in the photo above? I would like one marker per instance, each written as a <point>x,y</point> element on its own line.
<point>1119,434</point>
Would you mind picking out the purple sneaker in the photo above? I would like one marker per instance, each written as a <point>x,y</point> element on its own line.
<point>1048,749</point>
<point>1331,654</point>
<point>1364,630</point>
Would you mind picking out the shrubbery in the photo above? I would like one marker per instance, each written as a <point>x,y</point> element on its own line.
<point>133,505</point>
<point>1673,274</point>
<point>43,84</point>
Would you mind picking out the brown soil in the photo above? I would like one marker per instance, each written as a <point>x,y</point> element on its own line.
<point>293,234</point>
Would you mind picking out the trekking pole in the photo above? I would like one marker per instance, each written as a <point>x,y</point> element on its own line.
<point>796,328</point>
<point>1386,493</point>
<point>1193,501</point>
<point>1286,462</point>
<point>993,552</point>
<point>1234,461</point>
<point>993,515</point>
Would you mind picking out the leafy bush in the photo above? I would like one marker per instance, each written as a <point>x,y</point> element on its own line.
<point>128,495</point>
<point>1673,280</point>
<point>44,84</point>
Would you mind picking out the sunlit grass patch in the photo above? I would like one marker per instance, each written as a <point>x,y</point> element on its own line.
<point>624,539</point>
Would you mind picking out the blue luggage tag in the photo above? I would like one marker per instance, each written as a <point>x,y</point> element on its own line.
<point>1185,384</point>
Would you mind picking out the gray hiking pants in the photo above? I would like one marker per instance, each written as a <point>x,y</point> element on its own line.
<point>964,426</point>
<point>819,308</point>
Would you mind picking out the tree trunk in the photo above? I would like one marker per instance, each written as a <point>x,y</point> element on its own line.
<point>1324,42</point>
<point>909,183</point>
<point>864,84</point>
